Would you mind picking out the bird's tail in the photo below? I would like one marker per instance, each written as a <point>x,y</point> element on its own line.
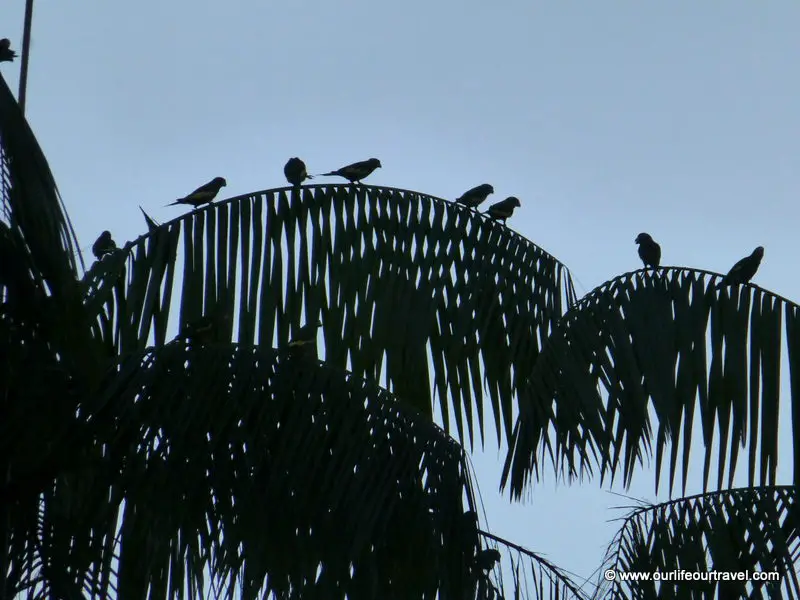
<point>325,174</point>
<point>178,201</point>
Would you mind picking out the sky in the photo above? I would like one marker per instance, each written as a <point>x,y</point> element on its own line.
<point>606,119</point>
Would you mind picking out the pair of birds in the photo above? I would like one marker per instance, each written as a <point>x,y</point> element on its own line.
<point>6,53</point>
<point>740,273</point>
<point>500,211</point>
<point>296,172</point>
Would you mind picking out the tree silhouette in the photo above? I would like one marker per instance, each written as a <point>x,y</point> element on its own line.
<point>161,436</point>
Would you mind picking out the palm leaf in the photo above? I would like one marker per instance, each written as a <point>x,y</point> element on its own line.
<point>750,529</point>
<point>401,281</point>
<point>271,474</point>
<point>665,345</point>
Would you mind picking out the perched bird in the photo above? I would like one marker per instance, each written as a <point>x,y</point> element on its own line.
<point>476,195</point>
<point>207,328</point>
<point>204,194</point>
<point>357,171</point>
<point>743,271</point>
<point>485,559</point>
<point>649,250</point>
<point>103,245</point>
<point>502,210</point>
<point>6,53</point>
<point>295,171</point>
<point>304,342</point>
<point>152,225</point>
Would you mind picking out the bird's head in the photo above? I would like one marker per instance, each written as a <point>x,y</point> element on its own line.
<point>487,188</point>
<point>5,44</point>
<point>105,235</point>
<point>220,181</point>
<point>513,201</point>
<point>759,252</point>
<point>374,162</point>
<point>643,237</point>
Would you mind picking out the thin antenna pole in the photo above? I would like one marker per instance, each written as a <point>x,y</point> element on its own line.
<point>26,51</point>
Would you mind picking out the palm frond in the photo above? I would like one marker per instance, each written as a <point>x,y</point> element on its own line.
<point>400,280</point>
<point>273,474</point>
<point>740,530</point>
<point>31,203</point>
<point>531,575</point>
<point>667,344</point>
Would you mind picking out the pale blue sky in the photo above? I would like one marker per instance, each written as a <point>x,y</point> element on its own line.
<point>606,119</point>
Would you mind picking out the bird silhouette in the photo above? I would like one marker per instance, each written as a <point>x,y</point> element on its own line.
<point>6,53</point>
<point>357,171</point>
<point>476,195</point>
<point>500,211</point>
<point>743,270</point>
<point>103,245</point>
<point>204,194</point>
<point>649,250</point>
<point>295,171</point>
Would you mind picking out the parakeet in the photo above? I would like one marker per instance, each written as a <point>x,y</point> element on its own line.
<point>743,271</point>
<point>103,245</point>
<point>476,195</point>
<point>304,342</point>
<point>204,194</point>
<point>649,250</point>
<point>6,53</point>
<point>295,171</point>
<point>151,224</point>
<point>500,211</point>
<point>357,171</point>
<point>486,559</point>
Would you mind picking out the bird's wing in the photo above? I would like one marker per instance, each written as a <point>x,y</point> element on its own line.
<point>205,188</point>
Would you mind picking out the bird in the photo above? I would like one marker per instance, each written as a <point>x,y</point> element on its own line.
<point>476,195</point>
<point>486,559</point>
<point>152,225</point>
<point>743,271</point>
<point>204,194</point>
<point>304,342</point>
<point>357,171</point>
<point>6,53</point>
<point>206,329</point>
<point>103,245</point>
<point>500,211</point>
<point>295,171</point>
<point>649,250</point>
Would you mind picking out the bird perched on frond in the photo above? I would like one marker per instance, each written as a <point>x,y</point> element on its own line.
<point>486,559</point>
<point>6,53</point>
<point>476,195</point>
<point>743,271</point>
<point>207,328</point>
<point>500,211</point>
<point>104,245</point>
<point>649,250</point>
<point>357,171</point>
<point>295,171</point>
<point>304,342</point>
<point>204,194</point>
<point>152,225</point>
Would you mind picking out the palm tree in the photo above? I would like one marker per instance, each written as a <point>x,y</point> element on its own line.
<point>142,458</point>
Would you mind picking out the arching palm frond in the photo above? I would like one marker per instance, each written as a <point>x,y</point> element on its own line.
<point>399,279</point>
<point>736,531</point>
<point>667,344</point>
<point>31,203</point>
<point>531,575</point>
<point>271,473</point>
